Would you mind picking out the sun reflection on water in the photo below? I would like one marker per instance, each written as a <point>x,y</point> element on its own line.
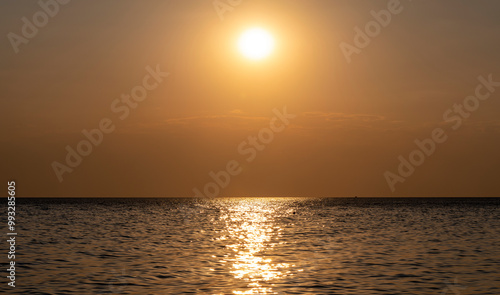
<point>252,232</point>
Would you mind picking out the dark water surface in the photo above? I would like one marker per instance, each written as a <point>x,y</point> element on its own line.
<point>257,246</point>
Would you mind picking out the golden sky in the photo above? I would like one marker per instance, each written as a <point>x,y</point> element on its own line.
<point>354,118</point>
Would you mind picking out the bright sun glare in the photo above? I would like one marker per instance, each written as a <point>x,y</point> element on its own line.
<point>256,44</point>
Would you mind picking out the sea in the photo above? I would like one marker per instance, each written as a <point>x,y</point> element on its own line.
<point>283,245</point>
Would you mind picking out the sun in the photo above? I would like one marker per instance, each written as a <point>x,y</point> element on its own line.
<point>256,44</point>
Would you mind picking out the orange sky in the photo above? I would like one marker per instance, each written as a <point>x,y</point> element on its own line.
<point>353,119</point>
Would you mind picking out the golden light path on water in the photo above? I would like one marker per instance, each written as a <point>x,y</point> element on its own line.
<point>251,230</point>
<point>260,246</point>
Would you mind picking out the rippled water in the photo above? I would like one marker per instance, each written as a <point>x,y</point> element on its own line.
<point>258,246</point>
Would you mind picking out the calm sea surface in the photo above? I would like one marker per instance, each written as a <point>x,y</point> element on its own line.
<point>257,246</point>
